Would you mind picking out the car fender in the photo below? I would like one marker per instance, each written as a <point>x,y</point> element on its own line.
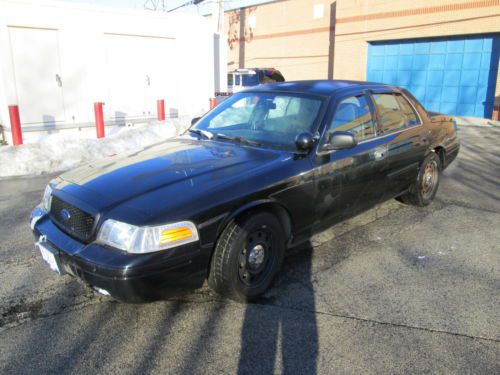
<point>272,205</point>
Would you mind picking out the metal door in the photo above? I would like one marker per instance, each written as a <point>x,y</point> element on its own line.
<point>451,75</point>
<point>37,70</point>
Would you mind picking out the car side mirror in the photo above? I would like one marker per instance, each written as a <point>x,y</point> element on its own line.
<point>195,120</point>
<point>304,142</point>
<point>341,140</point>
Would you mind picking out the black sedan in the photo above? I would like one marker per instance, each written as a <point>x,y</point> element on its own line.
<point>253,178</point>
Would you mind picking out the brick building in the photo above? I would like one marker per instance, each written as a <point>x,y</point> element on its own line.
<point>445,51</point>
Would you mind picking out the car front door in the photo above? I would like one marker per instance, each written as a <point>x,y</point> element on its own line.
<point>404,144</point>
<point>348,181</point>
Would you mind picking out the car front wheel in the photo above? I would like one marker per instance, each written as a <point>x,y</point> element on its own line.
<point>247,256</point>
<point>424,189</point>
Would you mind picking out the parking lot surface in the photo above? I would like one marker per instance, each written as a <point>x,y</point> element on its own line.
<point>397,289</point>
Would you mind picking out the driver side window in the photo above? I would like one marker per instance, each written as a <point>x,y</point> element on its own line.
<point>353,114</point>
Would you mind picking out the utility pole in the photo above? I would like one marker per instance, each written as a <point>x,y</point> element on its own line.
<point>218,16</point>
<point>220,46</point>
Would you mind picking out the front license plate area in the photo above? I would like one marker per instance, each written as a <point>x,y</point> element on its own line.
<point>50,256</point>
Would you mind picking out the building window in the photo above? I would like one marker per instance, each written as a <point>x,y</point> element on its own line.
<point>318,11</point>
<point>252,22</point>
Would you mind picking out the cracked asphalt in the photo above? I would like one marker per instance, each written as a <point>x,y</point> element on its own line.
<point>395,290</point>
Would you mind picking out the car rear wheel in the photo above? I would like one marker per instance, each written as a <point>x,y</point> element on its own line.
<point>247,256</point>
<point>424,189</point>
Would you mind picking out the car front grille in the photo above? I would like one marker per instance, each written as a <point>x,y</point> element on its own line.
<point>71,219</point>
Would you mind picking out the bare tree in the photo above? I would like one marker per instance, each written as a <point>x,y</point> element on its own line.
<point>159,5</point>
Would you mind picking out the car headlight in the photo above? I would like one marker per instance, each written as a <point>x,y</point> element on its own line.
<point>139,240</point>
<point>47,198</point>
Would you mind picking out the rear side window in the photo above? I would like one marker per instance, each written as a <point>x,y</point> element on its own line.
<point>278,77</point>
<point>395,112</point>
<point>409,114</point>
<point>353,115</point>
<point>266,78</point>
<point>390,112</point>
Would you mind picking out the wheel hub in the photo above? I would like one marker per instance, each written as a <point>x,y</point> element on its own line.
<point>429,179</point>
<point>256,256</point>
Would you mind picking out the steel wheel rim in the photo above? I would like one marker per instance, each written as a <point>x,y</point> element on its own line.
<point>430,179</point>
<point>257,258</point>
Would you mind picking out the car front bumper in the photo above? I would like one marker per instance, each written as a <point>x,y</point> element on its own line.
<point>126,277</point>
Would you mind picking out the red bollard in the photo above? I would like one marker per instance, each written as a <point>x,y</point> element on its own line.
<point>99,119</point>
<point>15,125</point>
<point>213,103</point>
<point>160,109</point>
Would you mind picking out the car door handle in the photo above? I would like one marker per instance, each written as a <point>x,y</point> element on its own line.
<point>421,140</point>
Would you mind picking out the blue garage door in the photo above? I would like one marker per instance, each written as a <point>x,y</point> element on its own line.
<point>454,75</point>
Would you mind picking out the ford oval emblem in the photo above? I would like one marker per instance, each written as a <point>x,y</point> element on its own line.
<point>65,214</point>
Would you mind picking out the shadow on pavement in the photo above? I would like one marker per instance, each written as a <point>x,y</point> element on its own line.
<point>285,338</point>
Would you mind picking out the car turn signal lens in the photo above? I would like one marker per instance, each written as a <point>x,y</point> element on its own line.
<point>174,235</point>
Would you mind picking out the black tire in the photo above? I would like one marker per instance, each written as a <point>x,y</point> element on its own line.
<point>425,187</point>
<point>247,257</point>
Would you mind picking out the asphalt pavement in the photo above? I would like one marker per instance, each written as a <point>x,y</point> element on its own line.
<point>395,290</point>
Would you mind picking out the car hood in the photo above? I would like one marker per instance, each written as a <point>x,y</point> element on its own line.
<point>184,165</point>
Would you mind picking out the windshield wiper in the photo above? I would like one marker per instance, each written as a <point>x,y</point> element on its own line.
<point>238,139</point>
<point>203,133</point>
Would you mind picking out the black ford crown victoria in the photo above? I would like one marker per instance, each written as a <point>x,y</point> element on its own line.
<point>255,176</point>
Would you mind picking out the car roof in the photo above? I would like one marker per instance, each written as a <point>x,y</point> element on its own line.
<point>319,87</point>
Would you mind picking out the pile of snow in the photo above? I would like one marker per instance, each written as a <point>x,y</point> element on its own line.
<point>60,152</point>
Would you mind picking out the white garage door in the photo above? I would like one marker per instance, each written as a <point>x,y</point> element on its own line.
<point>140,71</point>
<point>35,55</point>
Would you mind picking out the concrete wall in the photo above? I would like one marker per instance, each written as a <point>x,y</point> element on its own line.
<point>59,58</point>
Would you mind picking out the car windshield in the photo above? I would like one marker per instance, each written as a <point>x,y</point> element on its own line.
<point>270,119</point>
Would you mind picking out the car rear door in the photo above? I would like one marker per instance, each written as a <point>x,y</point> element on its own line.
<point>351,180</point>
<point>405,141</point>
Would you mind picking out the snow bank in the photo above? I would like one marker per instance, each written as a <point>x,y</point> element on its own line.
<point>60,152</point>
